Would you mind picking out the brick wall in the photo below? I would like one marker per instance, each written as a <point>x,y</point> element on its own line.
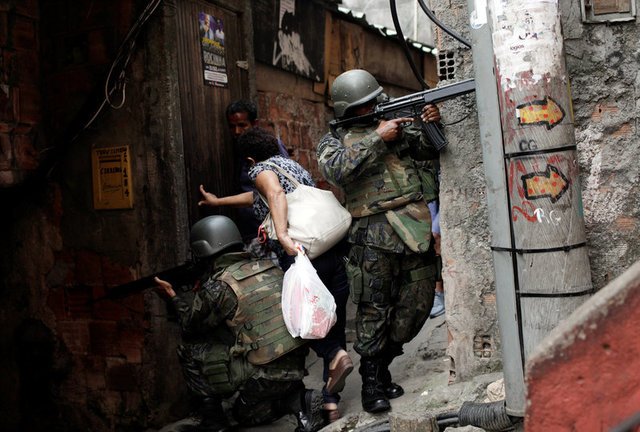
<point>67,361</point>
<point>20,101</point>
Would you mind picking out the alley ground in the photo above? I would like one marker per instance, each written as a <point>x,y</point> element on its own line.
<point>423,371</point>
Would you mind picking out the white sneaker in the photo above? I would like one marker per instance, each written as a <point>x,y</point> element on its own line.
<point>438,305</point>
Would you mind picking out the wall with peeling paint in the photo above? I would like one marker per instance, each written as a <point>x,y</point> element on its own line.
<point>584,376</point>
<point>602,63</point>
<point>468,276</point>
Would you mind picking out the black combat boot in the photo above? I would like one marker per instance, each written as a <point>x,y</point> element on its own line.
<point>213,418</point>
<point>373,398</point>
<point>307,407</point>
<point>391,389</point>
<point>257,413</point>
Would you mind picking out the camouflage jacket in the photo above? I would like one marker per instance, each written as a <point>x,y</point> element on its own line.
<point>382,185</point>
<point>245,295</point>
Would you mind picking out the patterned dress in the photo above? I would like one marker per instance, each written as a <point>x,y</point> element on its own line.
<point>295,170</point>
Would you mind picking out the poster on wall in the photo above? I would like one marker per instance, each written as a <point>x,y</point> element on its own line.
<point>212,43</point>
<point>290,36</point>
<point>111,178</point>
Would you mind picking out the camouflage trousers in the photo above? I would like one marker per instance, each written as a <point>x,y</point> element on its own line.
<point>394,293</point>
<point>265,393</point>
<point>210,371</point>
<point>265,401</point>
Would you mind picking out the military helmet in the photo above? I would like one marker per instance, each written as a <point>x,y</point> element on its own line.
<point>353,88</point>
<point>213,234</point>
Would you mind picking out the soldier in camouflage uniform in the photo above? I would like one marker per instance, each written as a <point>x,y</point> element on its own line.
<point>391,263</point>
<point>247,347</point>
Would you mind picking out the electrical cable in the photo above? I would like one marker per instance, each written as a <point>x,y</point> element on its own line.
<point>440,24</point>
<point>447,415</point>
<point>403,43</point>
<point>127,48</point>
<point>491,416</point>
<point>432,130</point>
<point>443,423</point>
<point>119,65</point>
<point>456,121</point>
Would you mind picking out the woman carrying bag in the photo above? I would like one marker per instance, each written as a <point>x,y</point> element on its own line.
<point>272,175</point>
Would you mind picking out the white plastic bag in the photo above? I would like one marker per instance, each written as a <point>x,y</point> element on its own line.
<point>308,307</point>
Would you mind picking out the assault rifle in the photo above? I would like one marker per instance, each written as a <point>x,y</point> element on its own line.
<point>411,106</point>
<point>184,274</point>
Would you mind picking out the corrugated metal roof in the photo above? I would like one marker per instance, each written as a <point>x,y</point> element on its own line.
<point>360,18</point>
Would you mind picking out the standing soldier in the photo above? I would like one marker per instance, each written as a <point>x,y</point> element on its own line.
<point>241,296</point>
<point>391,265</point>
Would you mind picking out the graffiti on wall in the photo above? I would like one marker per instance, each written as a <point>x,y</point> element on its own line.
<point>545,112</point>
<point>550,183</point>
<point>290,35</point>
<point>540,178</point>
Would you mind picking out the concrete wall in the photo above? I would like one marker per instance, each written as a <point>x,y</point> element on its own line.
<point>468,275</point>
<point>602,62</point>
<point>585,374</point>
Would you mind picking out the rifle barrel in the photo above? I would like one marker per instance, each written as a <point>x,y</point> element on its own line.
<point>399,107</point>
<point>431,96</point>
<point>181,275</point>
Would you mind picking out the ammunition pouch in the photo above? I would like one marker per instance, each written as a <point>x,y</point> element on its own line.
<point>354,272</point>
<point>222,373</point>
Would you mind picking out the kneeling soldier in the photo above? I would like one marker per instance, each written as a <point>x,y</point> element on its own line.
<point>240,296</point>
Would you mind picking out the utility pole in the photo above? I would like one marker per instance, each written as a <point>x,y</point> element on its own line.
<point>536,219</point>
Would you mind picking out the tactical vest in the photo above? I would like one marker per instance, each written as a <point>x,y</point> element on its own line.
<point>390,183</point>
<point>258,324</point>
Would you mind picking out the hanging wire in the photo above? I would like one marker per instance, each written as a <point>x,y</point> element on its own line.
<point>119,65</point>
<point>440,24</point>
<point>407,53</point>
<point>456,121</point>
<point>403,43</point>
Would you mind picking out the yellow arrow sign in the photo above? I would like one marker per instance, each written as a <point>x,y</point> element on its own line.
<point>540,112</point>
<point>550,183</point>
